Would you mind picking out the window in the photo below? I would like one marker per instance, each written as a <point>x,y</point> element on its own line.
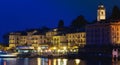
<point>101,13</point>
<point>117,29</point>
<point>117,33</point>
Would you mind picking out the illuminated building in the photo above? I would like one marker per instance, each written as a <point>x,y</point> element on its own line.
<point>103,31</point>
<point>50,34</point>
<point>50,39</point>
<point>59,40</point>
<point>22,40</point>
<point>76,39</point>
<point>13,39</point>
<point>30,37</point>
<point>101,13</point>
<point>33,38</point>
<point>38,39</point>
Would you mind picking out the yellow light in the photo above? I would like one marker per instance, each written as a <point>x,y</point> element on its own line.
<point>54,48</point>
<point>77,61</point>
<point>49,50</point>
<point>58,50</point>
<point>39,61</point>
<point>59,61</point>
<point>41,51</point>
<point>64,61</point>
<point>45,50</point>
<point>54,62</point>
<point>64,48</point>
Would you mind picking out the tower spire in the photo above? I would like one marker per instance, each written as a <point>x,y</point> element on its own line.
<point>101,13</point>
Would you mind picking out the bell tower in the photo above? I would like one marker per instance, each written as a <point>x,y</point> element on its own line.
<point>101,13</point>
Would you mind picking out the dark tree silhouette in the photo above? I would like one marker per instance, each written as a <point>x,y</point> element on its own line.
<point>44,28</point>
<point>79,22</point>
<point>115,13</point>
<point>60,24</point>
<point>6,38</point>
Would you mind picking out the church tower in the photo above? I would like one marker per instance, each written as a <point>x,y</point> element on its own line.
<point>101,14</point>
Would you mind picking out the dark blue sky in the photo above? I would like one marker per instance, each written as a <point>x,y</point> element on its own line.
<point>18,15</point>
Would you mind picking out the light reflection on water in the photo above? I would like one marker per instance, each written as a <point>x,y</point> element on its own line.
<point>54,61</point>
<point>77,61</point>
<point>39,61</point>
<point>26,61</point>
<point>46,61</point>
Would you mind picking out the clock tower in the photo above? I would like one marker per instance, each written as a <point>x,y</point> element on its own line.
<point>101,13</point>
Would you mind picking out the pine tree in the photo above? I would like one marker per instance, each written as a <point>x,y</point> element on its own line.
<point>79,22</point>
<point>115,13</point>
<point>60,24</point>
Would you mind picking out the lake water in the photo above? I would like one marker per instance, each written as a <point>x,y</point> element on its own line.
<point>46,61</point>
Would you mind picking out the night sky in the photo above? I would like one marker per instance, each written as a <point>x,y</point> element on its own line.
<point>16,15</point>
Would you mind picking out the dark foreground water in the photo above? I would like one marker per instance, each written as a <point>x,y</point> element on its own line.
<point>46,61</point>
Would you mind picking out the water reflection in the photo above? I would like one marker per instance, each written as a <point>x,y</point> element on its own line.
<point>8,61</point>
<point>4,63</point>
<point>39,61</point>
<point>58,61</point>
<point>49,61</point>
<point>45,61</point>
<point>77,61</point>
<point>64,61</point>
<point>54,61</point>
<point>116,63</point>
<point>26,61</point>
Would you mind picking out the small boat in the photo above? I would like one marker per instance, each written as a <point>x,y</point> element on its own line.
<point>7,55</point>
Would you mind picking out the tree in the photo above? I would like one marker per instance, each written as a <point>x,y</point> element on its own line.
<point>60,24</point>
<point>44,28</point>
<point>6,38</point>
<point>115,13</point>
<point>79,22</point>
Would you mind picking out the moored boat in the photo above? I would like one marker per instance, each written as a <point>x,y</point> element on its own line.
<point>7,55</point>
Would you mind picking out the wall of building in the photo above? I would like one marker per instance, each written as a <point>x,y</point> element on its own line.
<point>103,33</point>
<point>78,38</point>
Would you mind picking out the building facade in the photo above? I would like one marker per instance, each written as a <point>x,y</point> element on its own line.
<point>22,40</point>
<point>13,39</point>
<point>59,40</point>
<point>103,31</point>
<point>115,32</point>
<point>50,34</point>
<point>52,38</point>
<point>101,13</point>
<point>33,38</point>
<point>76,39</point>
